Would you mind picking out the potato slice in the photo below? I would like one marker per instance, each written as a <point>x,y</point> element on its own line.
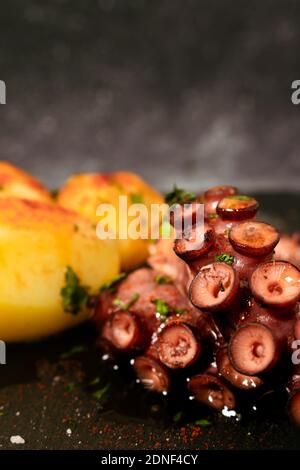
<point>38,242</point>
<point>84,192</point>
<point>17,183</point>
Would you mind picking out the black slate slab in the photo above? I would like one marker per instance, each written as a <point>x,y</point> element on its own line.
<point>50,396</point>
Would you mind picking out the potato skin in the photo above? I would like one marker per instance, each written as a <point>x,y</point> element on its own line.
<point>37,242</point>
<point>15,182</point>
<point>84,192</point>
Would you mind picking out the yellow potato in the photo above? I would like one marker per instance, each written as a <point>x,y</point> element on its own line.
<point>38,242</point>
<point>84,192</point>
<point>15,182</point>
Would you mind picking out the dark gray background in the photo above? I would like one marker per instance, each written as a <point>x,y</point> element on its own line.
<point>197,92</point>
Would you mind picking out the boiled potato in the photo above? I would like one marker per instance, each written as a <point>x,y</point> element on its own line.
<point>84,192</point>
<point>15,182</point>
<point>39,244</point>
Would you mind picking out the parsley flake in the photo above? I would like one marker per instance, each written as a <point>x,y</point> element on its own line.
<point>240,197</point>
<point>161,279</point>
<point>126,305</point>
<point>75,350</point>
<point>179,196</point>
<point>74,296</point>
<point>100,394</point>
<point>177,417</point>
<point>164,309</point>
<point>204,423</point>
<point>136,198</point>
<point>225,258</point>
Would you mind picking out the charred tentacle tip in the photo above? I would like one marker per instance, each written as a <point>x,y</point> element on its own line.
<point>195,242</point>
<point>253,349</point>
<point>276,283</point>
<point>178,346</point>
<point>213,195</point>
<point>126,330</point>
<point>254,239</point>
<point>152,374</point>
<point>228,372</point>
<point>211,391</point>
<point>237,207</point>
<point>214,287</point>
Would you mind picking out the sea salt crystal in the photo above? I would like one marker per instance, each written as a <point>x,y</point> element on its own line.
<point>17,440</point>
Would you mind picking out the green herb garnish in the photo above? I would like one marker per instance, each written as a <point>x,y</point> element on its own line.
<point>179,196</point>
<point>95,381</point>
<point>225,258</point>
<point>136,198</point>
<point>99,394</point>
<point>71,386</point>
<point>110,286</point>
<point>177,417</point>
<point>126,305</point>
<point>75,350</point>
<point>74,296</point>
<point>161,279</point>
<point>213,216</point>
<point>240,197</point>
<point>164,309</point>
<point>204,423</point>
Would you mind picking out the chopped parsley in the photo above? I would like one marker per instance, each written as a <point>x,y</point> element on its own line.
<point>161,279</point>
<point>179,196</point>
<point>136,198</point>
<point>71,386</point>
<point>126,305</point>
<point>240,197</point>
<point>95,381</point>
<point>225,258</point>
<point>75,350</point>
<point>74,296</point>
<point>177,417</point>
<point>110,286</point>
<point>164,309</point>
<point>204,423</point>
<point>99,394</point>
